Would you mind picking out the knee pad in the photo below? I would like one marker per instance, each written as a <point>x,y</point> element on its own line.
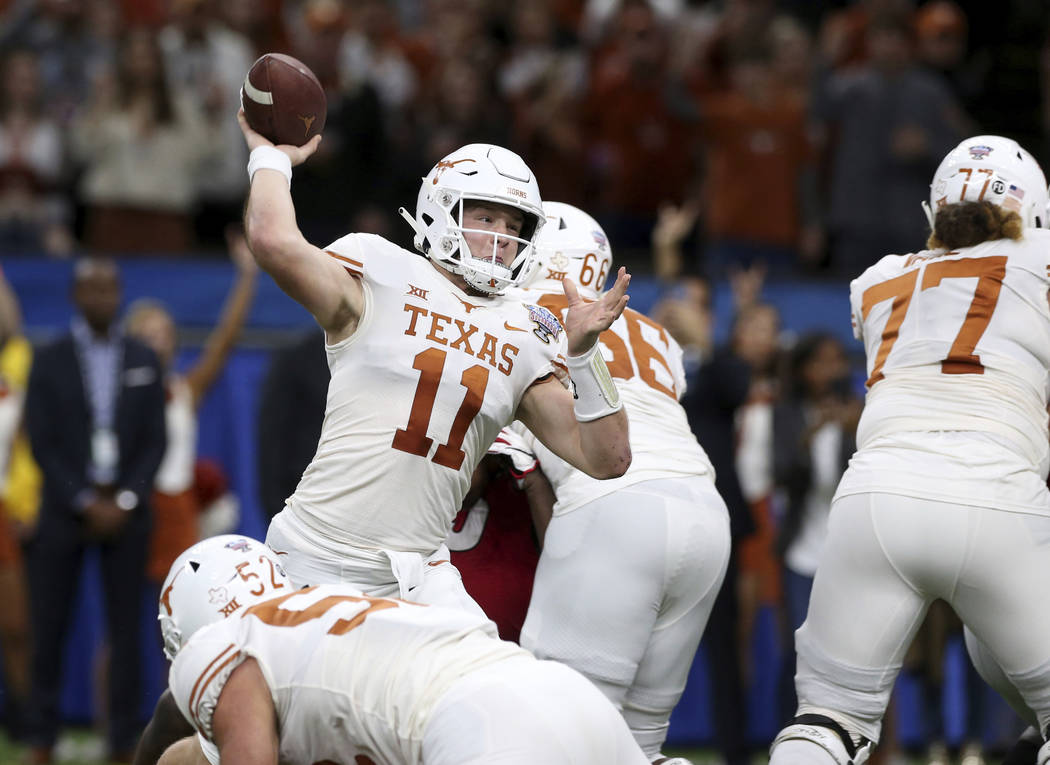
<point>829,736</point>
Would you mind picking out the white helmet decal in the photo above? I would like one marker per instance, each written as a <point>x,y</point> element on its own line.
<point>216,578</point>
<point>573,245</point>
<point>478,172</point>
<point>993,169</point>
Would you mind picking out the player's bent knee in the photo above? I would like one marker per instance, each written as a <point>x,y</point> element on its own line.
<point>817,740</point>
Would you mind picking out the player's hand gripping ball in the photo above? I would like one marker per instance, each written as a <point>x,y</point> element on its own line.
<point>283,100</point>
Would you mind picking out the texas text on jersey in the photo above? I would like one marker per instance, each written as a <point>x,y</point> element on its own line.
<point>394,433</point>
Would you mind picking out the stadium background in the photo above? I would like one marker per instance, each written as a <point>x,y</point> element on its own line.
<point>409,79</point>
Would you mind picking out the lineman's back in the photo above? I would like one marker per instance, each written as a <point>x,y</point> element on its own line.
<point>957,342</point>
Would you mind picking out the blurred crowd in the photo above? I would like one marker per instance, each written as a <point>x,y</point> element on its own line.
<point>748,139</point>
<point>801,134</point>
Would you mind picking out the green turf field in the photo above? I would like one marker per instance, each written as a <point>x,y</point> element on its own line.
<point>76,745</point>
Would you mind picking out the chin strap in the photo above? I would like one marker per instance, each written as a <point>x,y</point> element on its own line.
<point>926,209</point>
<point>420,239</point>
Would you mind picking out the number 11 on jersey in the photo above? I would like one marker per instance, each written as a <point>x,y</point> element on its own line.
<point>413,438</point>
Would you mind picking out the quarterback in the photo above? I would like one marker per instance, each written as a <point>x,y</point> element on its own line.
<point>630,568</point>
<point>946,496</point>
<point>267,673</point>
<point>429,358</point>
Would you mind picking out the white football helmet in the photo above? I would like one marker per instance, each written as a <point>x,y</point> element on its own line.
<point>573,245</point>
<point>994,169</point>
<point>485,173</point>
<point>213,579</point>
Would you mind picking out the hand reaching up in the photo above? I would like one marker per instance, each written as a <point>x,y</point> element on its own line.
<point>586,320</point>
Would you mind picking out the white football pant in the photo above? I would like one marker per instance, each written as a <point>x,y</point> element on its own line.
<point>522,712</point>
<point>623,590</point>
<point>886,558</point>
<point>429,579</point>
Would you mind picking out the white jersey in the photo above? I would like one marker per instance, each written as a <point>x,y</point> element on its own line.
<point>349,675</point>
<point>958,350</point>
<point>418,393</point>
<point>646,364</point>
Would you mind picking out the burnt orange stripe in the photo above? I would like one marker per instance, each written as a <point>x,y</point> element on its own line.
<point>352,272</point>
<point>207,682</point>
<point>196,685</point>
<point>345,259</point>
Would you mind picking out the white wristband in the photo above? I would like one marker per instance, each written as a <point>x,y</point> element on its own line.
<point>269,158</point>
<point>594,392</point>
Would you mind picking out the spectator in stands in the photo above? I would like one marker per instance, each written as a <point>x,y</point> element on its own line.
<point>463,107</point>
<point>717,387</point>
<point>886,125</point>
<point>814,435</point>
<point>73,49</point>
<point>757,143</point>
<point>448,30</point>
<point>543,79</point>
<point>941,46</point>
<point>792,56</point>
<point>142,145</point>
<point>205,58</point>
<point>371,52</point>
<point>291,410</point>
<point>353,167</point>
<point>174,499</point>
<point>843,39</point>
<point>262,22</point>
<point>95,414</point>
<point>34,211</point>
<point>740,24</point>
<point>316,30</point>
<point>14,616</point>
<point>638,136</point>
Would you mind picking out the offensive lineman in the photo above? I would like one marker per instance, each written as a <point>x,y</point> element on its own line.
<point>946,496</point>
<point>266,673</point>
<point>429,360</point>
<point>630,568</point>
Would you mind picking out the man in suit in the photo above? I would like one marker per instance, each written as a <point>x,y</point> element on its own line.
<point>95,416</point>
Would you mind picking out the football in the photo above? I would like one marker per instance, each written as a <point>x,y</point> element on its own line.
<point>283,100</point>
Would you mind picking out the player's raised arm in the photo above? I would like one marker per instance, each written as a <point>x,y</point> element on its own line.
<point>587,428</point>
<point>302,270</point>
